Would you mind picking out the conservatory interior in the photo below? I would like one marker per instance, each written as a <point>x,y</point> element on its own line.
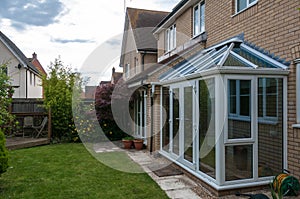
<point>223,115</point>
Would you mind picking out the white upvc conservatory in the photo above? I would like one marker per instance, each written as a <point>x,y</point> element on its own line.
<point>224,113</point>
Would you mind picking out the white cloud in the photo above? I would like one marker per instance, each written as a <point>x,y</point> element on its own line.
<point>80,22</point>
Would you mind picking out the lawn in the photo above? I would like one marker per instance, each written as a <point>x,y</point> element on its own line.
<point>69,171</point>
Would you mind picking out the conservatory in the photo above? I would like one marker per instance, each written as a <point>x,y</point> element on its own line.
<point>223,115</point>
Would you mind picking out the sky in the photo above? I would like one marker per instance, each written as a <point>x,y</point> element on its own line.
<point>74,30</point>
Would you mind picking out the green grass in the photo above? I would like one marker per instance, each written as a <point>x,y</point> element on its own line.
<point>69,171</point>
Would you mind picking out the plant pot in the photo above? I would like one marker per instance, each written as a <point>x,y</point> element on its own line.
<point>127,144</point>
<point>138,144</point>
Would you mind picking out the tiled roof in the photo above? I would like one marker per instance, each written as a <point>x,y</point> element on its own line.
<point>17,52</point>
<point>35,62</point>
<point>142,22</point>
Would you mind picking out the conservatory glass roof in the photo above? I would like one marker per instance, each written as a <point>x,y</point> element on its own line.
<point>234,53</point>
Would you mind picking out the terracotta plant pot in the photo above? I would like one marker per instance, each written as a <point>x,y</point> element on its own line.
<point>138,144</point>
<point>127,144</point>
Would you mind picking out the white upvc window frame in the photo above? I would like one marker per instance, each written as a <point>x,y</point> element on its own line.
<point>201,13</point>
<point>248,5</point>
<point>171,38</point>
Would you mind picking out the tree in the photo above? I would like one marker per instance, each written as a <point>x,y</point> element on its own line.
<point>59,87</point>
<point>5,117</point>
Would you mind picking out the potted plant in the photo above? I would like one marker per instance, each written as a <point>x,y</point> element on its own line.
<point>127,142</point>
<point>138,143</point>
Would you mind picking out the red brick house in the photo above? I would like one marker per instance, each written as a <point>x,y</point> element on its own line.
<point>227,89</point>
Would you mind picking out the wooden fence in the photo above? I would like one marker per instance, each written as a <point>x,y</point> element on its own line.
<point>29,107</point>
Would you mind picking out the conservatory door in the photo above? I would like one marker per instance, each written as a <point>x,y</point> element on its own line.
<point>181,127</point>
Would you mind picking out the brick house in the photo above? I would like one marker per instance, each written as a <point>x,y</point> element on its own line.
<point>226,90</point>
<point>138,57</point>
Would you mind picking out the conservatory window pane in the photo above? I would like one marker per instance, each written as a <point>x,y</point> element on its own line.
<point>239,124</point>
<point>188,123</point>
<point>165,118</point>
<point>270,135</point>
<point>176,120</point>
<point>207,127</point>
<point>245,97</point>
<point>239,162</point>
<point>232,96</point>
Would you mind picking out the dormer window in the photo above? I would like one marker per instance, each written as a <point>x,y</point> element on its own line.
<point>199,18</point>
<point>171,38</point>
<point>241,5</point>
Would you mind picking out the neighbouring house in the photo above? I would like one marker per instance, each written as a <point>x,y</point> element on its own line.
<point>25,73</point>
<point>223,99</point>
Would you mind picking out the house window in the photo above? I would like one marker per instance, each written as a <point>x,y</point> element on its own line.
<point>171,38</point>
<point>241,5</point>
<point>127,70</point>
<point>30,78</point>
<point>199,19</point>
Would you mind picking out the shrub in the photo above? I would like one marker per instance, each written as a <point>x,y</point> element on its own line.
<point>59,87</point>
<point>3,154</point>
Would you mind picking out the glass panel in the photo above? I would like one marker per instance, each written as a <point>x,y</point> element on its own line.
<point>188,123</point>
<point>251,1</point>
<point>241,4</point>
<point>270,134</point>
<point>232,90</point>
<point>207,127</point>
<point>253,58</point>
<point>202,17</point>
<point>239,162</point>
<point>271,97</point>
<point>165,118</point>
<point>239,125</point>
<point>176,120</point>
<point>245,97</point>
<point>232,61</point>
<point>196,21</point>
<point>260,98</point>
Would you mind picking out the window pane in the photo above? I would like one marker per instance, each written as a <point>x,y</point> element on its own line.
<point>239,125</point>
<point>238,162</point>
<point>188,123</point>
<point>241,4</point>
<point>202,17</point>
<point>196,21</point>
<point>176,120</point>
<point>207,127</point>
<point>251,1</point>
<point>245,97</point>
<point>232,100</point>
<point>165,118</point>
<point>270,135</point>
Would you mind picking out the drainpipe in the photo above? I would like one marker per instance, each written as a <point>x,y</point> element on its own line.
<point>152,131</point>
<point>26,84</point>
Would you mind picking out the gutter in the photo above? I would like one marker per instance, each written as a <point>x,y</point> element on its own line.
<point>26,83</point>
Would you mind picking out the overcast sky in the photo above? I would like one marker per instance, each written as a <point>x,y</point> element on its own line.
<point>71,29</point>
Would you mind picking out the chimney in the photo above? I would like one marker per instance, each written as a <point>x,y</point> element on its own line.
<point>113,70</point>
<point>34,55</point>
